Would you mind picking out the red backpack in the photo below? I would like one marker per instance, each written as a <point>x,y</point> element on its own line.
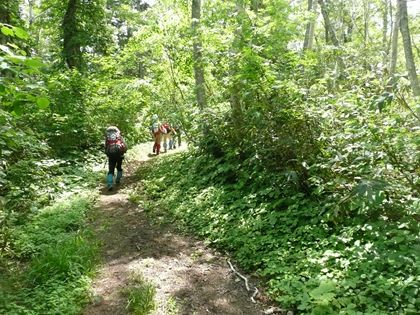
<point>166,128</point>
<point>114,143</point>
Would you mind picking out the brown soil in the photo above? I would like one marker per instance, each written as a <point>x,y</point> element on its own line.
<point>189,277</point>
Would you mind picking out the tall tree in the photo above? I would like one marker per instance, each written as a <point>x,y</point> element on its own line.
<point>366,16</point>
<point>200,90</point>
<point>408,50</point>
<point>71,45</point>
<point>310,27</point>
<point>236,48</point>
<point>329,30</point>
<point>330,35</point>
<point>394,45</point>
<point>385,17</point>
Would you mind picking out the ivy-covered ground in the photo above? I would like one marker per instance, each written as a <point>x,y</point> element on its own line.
<point>357,264</point>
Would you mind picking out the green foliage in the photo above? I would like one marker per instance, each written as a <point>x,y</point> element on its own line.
<point>71,258</point>
<point>360,259</point>
<point>60,254</point>
<point>307,168</point>
<point>140,296</point>
<point>21,90</point>
<point>49,226</point>
<point>50,298</point>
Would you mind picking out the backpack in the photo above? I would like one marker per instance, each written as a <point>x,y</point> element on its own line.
<point>155,127</point>
<point>165,128</point>
<point>114,144</point>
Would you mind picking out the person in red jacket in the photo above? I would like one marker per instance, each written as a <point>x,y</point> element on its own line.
<point>156,130</point>
<point>115,148</point>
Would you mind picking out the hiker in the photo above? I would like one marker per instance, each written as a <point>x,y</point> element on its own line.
<point>115,147</point>
<point>167,136</point>
<point>177,134</point>
<point>156,130</point>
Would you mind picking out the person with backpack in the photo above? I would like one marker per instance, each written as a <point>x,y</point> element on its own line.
<point>157,130</point>
<point>115,148</point>
<point>177,135</point>
<point>167,136</point>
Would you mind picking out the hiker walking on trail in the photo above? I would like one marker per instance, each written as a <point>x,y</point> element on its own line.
<point>168,136</point>
<point>176,136</point>
<point>156,129</point>
<point>115,147</point>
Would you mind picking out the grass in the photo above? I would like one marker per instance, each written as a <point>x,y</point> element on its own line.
<point>52,257</point>
<point>140,296</point>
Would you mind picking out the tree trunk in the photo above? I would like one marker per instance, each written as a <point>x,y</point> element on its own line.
<point>366,11</point>
<point>237,45</point>
<point>200,90</point>
<point>408,50</point>
<point>385,44</point>
<point>71,47</point>
<point>329,31</point>
<point>310,27</point>
<point>330,35</point>
<point>394,46</point>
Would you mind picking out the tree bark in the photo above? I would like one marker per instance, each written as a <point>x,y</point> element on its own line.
<point>394,45</point>
<point>200,90</point>
<point>408,50</point>
<point>330,35</point>
<point>329,30</point>
<point>237,45</point>
<point>310,27</point>
<point>385,15</point>
<point>366,11</point>
<point>71,47</point>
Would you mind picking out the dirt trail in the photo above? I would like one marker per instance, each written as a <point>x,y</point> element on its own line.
<point>186,273</point>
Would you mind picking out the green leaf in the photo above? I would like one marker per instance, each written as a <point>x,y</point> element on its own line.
<point>43,102</point>
<point>17,59</point>
<point>34,63</point>
<point>20,33</point>
<point>7,31</point>
<point>325,291</point>
<point>18,108</point>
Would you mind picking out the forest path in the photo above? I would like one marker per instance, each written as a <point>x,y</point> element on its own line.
<point>190,278</point>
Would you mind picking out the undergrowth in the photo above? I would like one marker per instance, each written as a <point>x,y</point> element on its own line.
<point>51,259</point>
<point>314,261</point>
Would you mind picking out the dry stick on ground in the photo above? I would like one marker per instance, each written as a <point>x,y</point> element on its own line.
<point>246,282</point>
<point>271,310</point>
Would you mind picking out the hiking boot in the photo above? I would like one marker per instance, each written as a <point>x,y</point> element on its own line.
<point>109,181</point>
<point>119,176</point>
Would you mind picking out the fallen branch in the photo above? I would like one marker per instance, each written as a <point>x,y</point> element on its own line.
<point>246,282</point>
